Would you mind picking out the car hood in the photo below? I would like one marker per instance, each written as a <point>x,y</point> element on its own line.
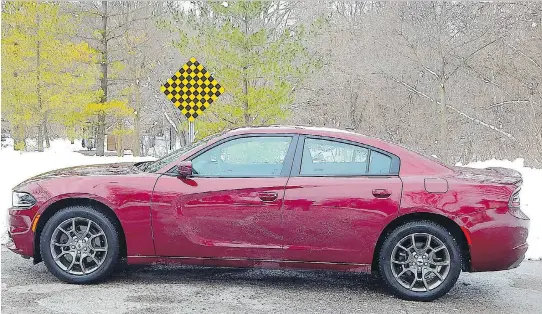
<point>115,169</point>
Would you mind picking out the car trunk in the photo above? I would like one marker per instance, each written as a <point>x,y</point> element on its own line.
<point>496,175</point>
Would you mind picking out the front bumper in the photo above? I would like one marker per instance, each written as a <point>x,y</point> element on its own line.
<point>10,244</point>
<point>20,234</point>
<point>20,221</point>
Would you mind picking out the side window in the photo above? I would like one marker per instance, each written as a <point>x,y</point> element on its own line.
<point>244,157</point>
<point>379,164</point>
<point>331,158</point>
<point>324,157</point>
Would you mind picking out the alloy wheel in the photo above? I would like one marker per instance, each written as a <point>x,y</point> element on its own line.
<point>78,246</point>
<point>420,262</point>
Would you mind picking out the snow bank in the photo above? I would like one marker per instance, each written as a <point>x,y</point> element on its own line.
<point>16,167</point>
<point>531,199</point>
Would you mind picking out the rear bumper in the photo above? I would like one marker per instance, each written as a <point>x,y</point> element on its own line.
<point>520,251</point>
<point>499,242</point>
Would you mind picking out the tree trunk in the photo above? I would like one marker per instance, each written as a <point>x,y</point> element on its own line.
<point>536,129</point>
<point>19,142</point>
<point>183,138</point>
<point>40,137</point>
<point>38,88</point>
<point>353,105</point>
<point>100,137</point>
<point>72,138</point>
<point>443,124</point>
<point>248,121</point>
<point>442,133</point>
<point>136,147</point>
<point>120,148</point>
<point>245,101</point>
<point>46,132</point>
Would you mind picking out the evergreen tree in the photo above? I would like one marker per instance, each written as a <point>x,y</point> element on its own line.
<point>256,51</point>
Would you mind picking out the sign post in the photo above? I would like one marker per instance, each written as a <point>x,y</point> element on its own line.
<point>191,131</point>
<point>192,89</point>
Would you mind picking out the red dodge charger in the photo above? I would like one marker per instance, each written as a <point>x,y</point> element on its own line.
<point>277,197</point>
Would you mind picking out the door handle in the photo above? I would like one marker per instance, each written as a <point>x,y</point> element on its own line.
<point>381,193</point>
<point>268,196</point>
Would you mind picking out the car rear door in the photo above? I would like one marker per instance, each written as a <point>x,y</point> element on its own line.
<point>231,206</point>
<point>339,197</point>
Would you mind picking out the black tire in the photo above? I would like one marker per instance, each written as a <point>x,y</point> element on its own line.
<point>108,227</point>
<point>401,233</point>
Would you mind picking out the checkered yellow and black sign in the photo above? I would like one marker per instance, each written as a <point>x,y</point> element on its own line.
<point>192,89</point>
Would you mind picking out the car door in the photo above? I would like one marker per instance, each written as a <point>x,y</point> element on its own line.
<point>338,199</point>
<point>231,206</point>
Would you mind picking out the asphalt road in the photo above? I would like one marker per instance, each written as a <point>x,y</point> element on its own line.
<point>158,289</point>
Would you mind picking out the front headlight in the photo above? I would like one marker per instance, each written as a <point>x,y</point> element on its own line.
<point>22,200</point>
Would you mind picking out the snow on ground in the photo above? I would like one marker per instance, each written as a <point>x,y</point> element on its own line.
<point>16,167</point>
<point>531,199</point>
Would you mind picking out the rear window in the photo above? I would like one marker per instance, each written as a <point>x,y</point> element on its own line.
<point>330,158</point>
<point>379,164</point>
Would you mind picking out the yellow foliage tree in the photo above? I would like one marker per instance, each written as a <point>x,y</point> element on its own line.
<point>46,77</point>
<point>119,110</point>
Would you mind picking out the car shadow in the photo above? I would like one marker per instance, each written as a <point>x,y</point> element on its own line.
<point>275,278</point>
<point>289,280</point>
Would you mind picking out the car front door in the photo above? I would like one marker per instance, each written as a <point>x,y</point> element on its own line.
<point>338,199</point>
<point>231,206</point>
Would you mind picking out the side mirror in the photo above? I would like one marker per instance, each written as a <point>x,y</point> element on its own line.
<point>184,169</point>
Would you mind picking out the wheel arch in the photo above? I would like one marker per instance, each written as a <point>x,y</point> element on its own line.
<point>444,221</point>
<point>54,207</point>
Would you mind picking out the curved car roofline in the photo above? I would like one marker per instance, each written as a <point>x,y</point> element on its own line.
<point>294,127</point>
<point>395,148</point>
<point>312,130</point>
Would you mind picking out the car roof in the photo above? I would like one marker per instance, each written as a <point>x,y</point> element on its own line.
<point>310,130</point>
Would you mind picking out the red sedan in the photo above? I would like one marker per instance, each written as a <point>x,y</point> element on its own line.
<point>276,197</point>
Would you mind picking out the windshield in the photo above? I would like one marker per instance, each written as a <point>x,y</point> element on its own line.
<point>156,165</point>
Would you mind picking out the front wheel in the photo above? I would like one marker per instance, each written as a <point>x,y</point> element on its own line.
<point>420,261</point>
<point>79,245</point>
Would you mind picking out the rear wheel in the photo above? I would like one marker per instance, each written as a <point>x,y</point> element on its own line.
<point>420,261</point>
<point>79,245</point>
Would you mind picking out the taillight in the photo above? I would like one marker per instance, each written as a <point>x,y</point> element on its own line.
<point>514,205</point>
<point>515,200</point>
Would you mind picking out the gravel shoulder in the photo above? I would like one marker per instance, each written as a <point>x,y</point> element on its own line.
<point>28,288</point>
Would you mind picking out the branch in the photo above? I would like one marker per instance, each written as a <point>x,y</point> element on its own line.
<point>413,48</point>
<point>464,60</point>
<point>87,38</point>
<point>222,118</point>
<point>507,102</point>
<point>169,120</point>
<point>109,38</point>
<point>469,40</point>
<point>525,55</point>
<point>122,25</point>
<point>165,113</point>
<point>461,113</point>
